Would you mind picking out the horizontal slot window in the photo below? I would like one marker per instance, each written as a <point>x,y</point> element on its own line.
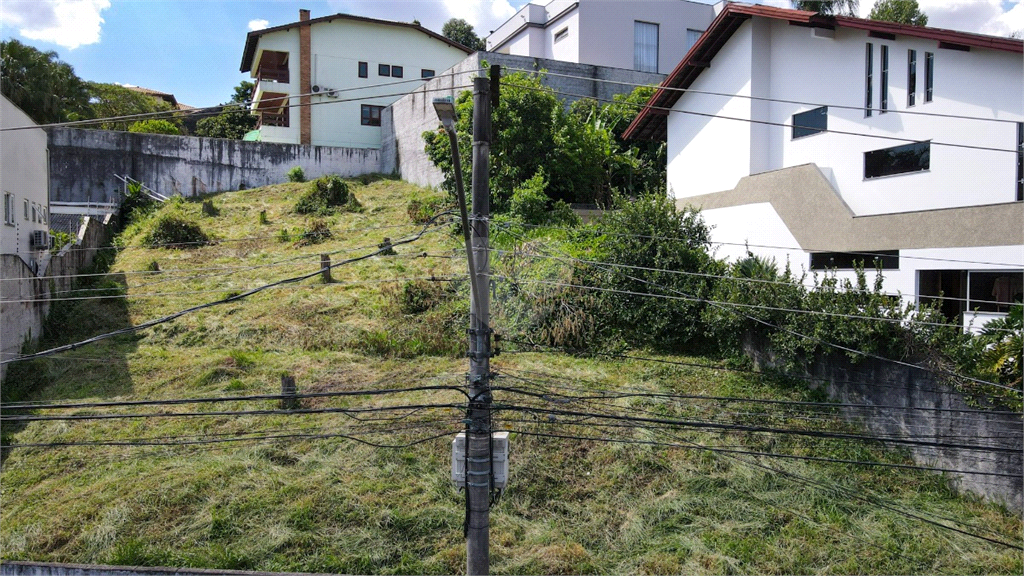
<point>904,159</point>
<point>810,122</point>
<point>883,259</point>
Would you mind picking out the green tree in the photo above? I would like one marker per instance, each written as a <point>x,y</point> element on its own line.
<point>113,101</point>
<point>234,120</point>
<point>829,7</point>
<point>155,126</point>
<point>46,88</point>
<point>899,11</point>
<point>462,32</point>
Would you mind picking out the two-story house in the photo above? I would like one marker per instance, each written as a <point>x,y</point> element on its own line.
<point>644,36</point>
<point>24,181</point>
<point>324,81</point>
<point>826,141</point>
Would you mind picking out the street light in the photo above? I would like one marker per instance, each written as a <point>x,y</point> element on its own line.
<point>445,109</point>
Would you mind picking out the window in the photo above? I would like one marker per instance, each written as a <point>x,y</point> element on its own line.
<point>810,122</point>
<point>562,34</point>
<point>397,71</point>
<point>883,98</point>
<point>911,77</point>
<point>929,75</point>
<point>383,70</point>
<point>645,46</point>
<point>994,291</point>
<point>883,259</point>
<point>9,208</point>
<point>424,73</point>
<point>1020,161</point>
<point>691,37</point>
<point>897,160</point>
<point>370,115</point>
<point>868,65</point>
<point>364,70</point>
<point>35,213</point>
<point>26,210</point>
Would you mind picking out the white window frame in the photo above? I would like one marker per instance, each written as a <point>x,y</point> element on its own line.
<point>642,48</point>
<point>8,208</point>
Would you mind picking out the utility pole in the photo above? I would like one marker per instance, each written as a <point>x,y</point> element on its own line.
<point>479,474</point>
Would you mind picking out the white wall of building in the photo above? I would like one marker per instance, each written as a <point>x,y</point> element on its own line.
<point>25,177</point>
<point>282,41</point>
<point>785,62</point>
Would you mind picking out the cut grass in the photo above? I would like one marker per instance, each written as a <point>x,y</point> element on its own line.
<point>333,505</point>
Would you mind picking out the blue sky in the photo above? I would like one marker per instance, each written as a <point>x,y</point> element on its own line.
<point>193,48</point>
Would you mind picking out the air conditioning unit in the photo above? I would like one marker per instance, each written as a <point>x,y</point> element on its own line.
<point>317,88</point>
<point>499,444</point>
<point>40,239</point>
<point>333,93</point>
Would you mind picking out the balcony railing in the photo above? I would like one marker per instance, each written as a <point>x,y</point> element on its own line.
<point>273,75</point>
<point>274,119</point>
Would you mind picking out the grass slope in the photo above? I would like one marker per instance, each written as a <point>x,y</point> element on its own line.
<point>335,505</point>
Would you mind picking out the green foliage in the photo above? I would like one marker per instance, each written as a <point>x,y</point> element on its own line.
<point>135,206</point>
<point>155,127</point>
<point>421,209</point>
<point>829,7</point>
<point>44,87</point>
<point>418,296</point>
<point>1003,344</point>
<point>326,195</point>
<point>462,32</point>
<point>899,11</point>
<point>60,240</point>
<point>111,100</point>
<point>582,155</point>
<point>319,231</point>
<point>175,230</point>
<point>233,123</point>
<point>297,174</point>
<point>531,205</point>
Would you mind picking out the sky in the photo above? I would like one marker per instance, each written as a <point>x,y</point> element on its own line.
<point>193,48</point>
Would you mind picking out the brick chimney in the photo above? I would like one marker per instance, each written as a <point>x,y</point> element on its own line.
<point>305,81</point>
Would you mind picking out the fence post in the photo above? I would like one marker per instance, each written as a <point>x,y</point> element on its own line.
<point>288,391</point>
<point>325,268</point>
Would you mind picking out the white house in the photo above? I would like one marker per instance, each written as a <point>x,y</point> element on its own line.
<point>24,180</point>
<point>324,81</point>
<point>822,141</point>
<point>645,36</point>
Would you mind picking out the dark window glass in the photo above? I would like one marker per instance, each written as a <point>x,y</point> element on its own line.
<point>884,259</point>
<point>883,98</point>
<point>1020,161</point>
<point>911,77</point>
<point>810,122</point>
<point>424,73</point>
<point>383,70</point>
<point>363,70</point>
<point>897,160</point>
<point>397,71</point>
<point>370,115</point>
<point>994,291</point>
<point>929,75</point>
<point>868,80</point>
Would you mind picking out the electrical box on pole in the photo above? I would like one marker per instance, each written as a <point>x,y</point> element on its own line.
<point>499,459</point>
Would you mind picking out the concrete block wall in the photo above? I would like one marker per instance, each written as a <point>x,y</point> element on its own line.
<point>403,123</point>
<point>83,163</point>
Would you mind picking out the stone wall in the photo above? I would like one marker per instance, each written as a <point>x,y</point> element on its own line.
<point>26,296</point>
<point>403,123</point>
<point>913,403</point>
<point>83,163</point>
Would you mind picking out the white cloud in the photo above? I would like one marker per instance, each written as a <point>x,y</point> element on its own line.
<point>255,25</point>
<point>484,15</point>
<point>67,23</point>
<point>980,16</point>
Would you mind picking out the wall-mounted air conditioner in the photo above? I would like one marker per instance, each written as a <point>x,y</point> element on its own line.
<point>40,239</point>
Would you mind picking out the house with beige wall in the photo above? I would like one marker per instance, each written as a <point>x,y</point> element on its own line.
<point>24,181</point>
<point>324,81</point>
<point>823,142</point>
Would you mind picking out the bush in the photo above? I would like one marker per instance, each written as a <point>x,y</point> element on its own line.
<point>418,296</point>
<point>318,232</point>
<point>325,196</point>
<point>421,209</point>
<point>60,240</point>
<point>155,127</point>
<point>135,206</point>
<point>175,231</point>
<point>297,174</point>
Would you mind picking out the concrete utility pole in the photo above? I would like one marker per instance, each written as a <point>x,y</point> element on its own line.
<point>478,434</point>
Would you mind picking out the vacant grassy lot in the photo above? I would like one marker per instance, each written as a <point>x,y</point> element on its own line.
<point>359,484</point>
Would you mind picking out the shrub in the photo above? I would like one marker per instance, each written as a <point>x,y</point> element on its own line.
<point>318,232</point>
<point>420,210</point>
<point>176,231</point>
<point>297,174</point>
<point>155,127</point>
<point>417,296</point>
<point>325,195</point>
<point>530,205</point>
<point>135,206</point>
<point>209,209</point>
<point>60,239</point>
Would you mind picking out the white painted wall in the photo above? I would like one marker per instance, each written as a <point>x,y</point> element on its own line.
<point>784,62</point>
<point>282,41</point>
<point>25,175</point>
<point>337,47</point>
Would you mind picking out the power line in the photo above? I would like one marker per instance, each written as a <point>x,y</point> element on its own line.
<point>747,97</point>
<point>229,299</point>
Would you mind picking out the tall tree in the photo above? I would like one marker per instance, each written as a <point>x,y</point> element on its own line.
<point>899,11</point>
<point>234,120</point>
<point>462,32</point>
<point>829,7</point>
<point>113,101</point>
<point>46,88</point>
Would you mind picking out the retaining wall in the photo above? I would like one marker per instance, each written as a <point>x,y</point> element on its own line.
<point>934,417</point>
<point>26,296</point>
<point>403,123</point>
<point>83,163</point>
